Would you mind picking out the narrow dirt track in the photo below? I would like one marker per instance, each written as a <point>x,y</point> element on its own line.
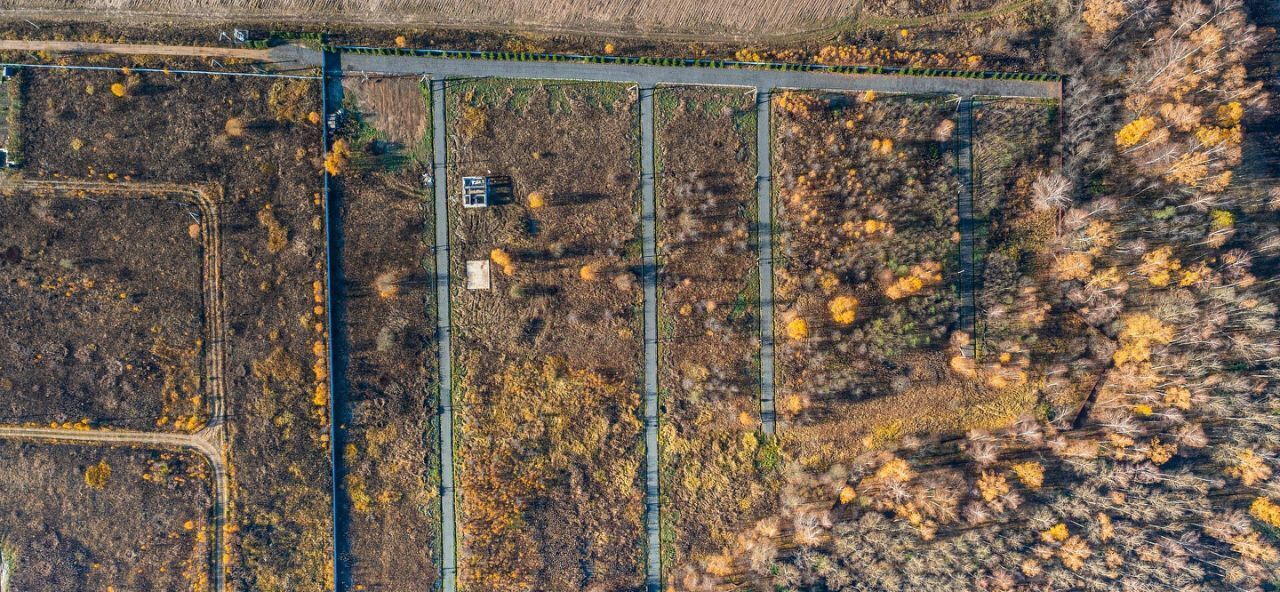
<point>205,442</point>
<point>136,49</point>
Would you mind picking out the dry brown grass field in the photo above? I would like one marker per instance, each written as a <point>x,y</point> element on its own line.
<point>547,404</point>
<point>254,140</point>
<point>90,518</point>
<point>727,17</point>
<point>737,19</point>
<point>715,469</point>
<point>384,303</point>
<point>103,309</point>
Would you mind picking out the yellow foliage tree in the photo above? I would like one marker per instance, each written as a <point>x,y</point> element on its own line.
<point>96,476</point>
<point>1030,473</point>
<point>339,158</point>
<point>1075,265</point>
<point>1135,131</point>
<point>1103,16</point>
<point>1159,266</point>
<point>503,260</point>
<point>1266,511</point>
<point>847,494</point>
<point>1141,331</point>
<point>1230,114</point>
<point>797,329</point>
<point>1249,468</point>
<point>920,277</point>
<point>992,485</point>
<point>844,309</point>
<point>1074,552</point>
<point>118,89</point>
<point>799,104</point>
<point>1055,534</point>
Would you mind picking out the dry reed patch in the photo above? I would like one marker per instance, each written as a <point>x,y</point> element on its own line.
<point>394,107</point>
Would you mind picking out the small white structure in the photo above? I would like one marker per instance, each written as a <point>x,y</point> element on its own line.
<point>478,275</point>
<point>475,192</point>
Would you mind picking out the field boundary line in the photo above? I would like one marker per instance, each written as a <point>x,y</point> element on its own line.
<point>764,254</point>
<point>444,336</point>
<point>649,274</point>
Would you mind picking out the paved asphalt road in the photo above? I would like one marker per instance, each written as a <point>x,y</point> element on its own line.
<point>444,342</point>
<point>649,273</point>
<point>764,245</point>
<point>658,75</point>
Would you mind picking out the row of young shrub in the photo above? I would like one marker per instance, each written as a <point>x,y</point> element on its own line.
<point>511,56</point>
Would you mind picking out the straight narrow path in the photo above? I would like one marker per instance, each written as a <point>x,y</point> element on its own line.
<point>764,244</point>
<point>444,341</point>
<point>335,297</point>
<point>239,53</point>
<point>964,169</point>
<point>648,236</point>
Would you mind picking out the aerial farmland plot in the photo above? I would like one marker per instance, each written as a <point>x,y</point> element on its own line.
<point>79,506</point>
<point>718,470</point>
<point>868,229</point>
<point>117,279</point>
<point>386,308</point>
<point>875,296</point>
<point>547,359</point>
<point>250,146</point>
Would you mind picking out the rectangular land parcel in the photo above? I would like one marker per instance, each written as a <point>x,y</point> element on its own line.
<point>383,298</point>
<point>715,467</point>
<point>103,299</point>
<point>92,518</point>
<point>254,143</point>
<point>865,202</point>
<point>547,361</point>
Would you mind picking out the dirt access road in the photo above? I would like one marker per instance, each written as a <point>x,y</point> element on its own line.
<point>169,50</point>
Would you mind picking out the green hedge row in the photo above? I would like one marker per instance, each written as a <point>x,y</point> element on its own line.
<point>511,56</point>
